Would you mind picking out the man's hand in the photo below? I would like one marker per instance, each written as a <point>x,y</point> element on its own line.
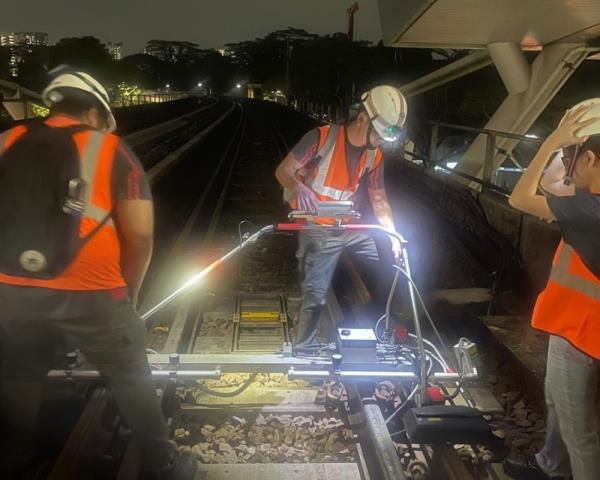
<point>566,133</point>
<point>306,198</point>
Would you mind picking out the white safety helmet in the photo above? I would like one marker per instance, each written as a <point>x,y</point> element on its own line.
<point>58,88</point>
<point>387,109</point>
<point>594,111</point>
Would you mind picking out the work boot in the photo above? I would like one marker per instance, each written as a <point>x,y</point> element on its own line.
<point>527,469</point>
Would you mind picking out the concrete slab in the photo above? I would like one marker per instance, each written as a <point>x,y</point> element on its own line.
<point>462,296</point>
<point>311,471</point>
<point>529,346</point>
<point>212,344</point>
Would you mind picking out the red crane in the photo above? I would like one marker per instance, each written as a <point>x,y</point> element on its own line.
<point>352,9</point>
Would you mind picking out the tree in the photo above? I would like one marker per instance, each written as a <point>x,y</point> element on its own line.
<point>174,51</point>
<point>87,53</point>
<point>4,63</point>
<point>34,65</point>
<point>147,71</point>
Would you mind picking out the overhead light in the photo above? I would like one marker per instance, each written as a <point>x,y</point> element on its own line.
<point>531,135</point>
<point>168,85</point>
<point>238,85</point>
<point>199,84</point>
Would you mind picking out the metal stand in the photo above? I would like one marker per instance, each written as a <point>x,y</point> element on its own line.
<point>337,212</point>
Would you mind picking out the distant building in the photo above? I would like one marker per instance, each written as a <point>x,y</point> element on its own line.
<point>115,50</point>
<point>18,42</point>
<point>31,39</point>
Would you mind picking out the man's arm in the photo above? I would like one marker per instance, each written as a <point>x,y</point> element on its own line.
<point>135,221</point>
<point>524,196</point>
<point>134,217</point>
<point>298,158</point>
<point>286,171</point>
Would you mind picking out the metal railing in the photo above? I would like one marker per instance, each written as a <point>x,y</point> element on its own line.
<point>146,98</point>
<point>499,179</point>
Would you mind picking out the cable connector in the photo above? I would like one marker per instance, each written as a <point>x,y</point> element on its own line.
<point>467,356</point>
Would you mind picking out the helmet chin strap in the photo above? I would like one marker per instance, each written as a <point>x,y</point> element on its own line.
<point>368,143</point>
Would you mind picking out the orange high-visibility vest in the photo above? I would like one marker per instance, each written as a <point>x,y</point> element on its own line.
<point>570,304</point>
<point>329,178</point>
<point>97,264</point>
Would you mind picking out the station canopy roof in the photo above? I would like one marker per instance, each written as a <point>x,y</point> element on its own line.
<point>472,24</point>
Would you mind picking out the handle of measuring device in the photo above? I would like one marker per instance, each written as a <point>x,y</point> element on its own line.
<point>281,227</point>
<point>296,227</point>
<point>203,273</point>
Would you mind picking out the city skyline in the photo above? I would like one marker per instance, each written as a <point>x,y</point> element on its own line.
<point>211,24</point>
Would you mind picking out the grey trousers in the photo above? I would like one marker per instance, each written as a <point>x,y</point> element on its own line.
<point>114,343</point>
<point>318,255</point>
<point>572,444</point>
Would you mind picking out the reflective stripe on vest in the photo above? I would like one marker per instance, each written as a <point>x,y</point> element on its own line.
<point>89,163</point>
<point>560,275</point>
<point>318,182</point>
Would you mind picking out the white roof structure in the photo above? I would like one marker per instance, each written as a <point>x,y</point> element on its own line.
<point>473,24</point>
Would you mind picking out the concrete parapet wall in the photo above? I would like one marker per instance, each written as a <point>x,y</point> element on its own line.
<point>533,240</point>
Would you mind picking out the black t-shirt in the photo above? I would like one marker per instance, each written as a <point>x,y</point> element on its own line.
<point>578,217</point>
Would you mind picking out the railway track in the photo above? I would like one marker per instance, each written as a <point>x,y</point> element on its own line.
<point>217,186</point>
<point>265,289</point>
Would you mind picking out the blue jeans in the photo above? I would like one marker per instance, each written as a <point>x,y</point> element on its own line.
<point>572,444</point>
<point>318,255</point>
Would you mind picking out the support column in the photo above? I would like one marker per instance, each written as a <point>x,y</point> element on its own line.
<point>550,70</point>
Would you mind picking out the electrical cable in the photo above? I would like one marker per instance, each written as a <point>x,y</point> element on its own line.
<point>403,404</point>
<point>454,394</point>
<point>234,393</point>
<point>399,432</point>
<point>458,390</point>
<point>424,307</point>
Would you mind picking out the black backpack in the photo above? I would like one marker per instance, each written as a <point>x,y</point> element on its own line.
<point>41,203</point>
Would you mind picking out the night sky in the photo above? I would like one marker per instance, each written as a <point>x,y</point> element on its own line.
<point>210,23</point>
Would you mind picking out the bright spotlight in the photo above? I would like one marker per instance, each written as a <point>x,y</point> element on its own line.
<point>168,85</point>
<point>199,84</point>
<point>238,86</point>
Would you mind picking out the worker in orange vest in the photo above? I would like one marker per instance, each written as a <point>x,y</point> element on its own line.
<point>569,307</point>
<point>76,229</point>
<point>329,164</point>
